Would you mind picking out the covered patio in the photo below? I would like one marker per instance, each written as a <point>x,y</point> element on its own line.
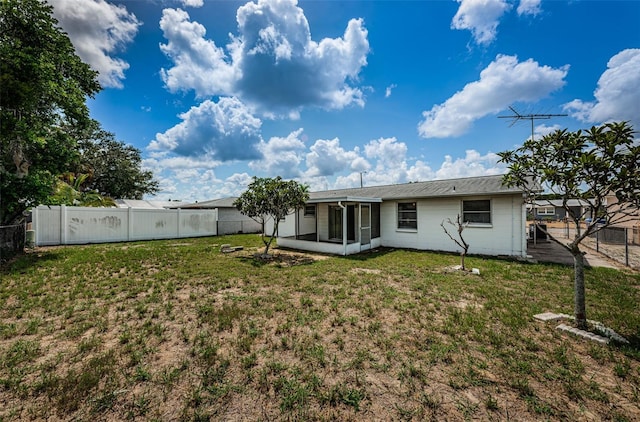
<point>339,226</point>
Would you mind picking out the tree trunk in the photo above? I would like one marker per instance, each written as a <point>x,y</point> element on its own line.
<point>268,244</point>
<point>462,255</point>
<point>579,311</point>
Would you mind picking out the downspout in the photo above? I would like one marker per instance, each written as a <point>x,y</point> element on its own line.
<point>344,227</point>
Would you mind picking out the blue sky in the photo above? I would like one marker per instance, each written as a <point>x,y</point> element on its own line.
<point>215,92</point>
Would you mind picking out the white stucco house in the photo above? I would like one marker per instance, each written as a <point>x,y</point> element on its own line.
<point>348,221</point>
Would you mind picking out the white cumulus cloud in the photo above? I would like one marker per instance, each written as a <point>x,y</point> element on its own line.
<point>98,31</point>
<point>617,96</point>
<point>481,17</point>
<point>272,63</point>
<point>327,158</point>
<point>503,82</point>
<point>192,3</point>
<point>389,153</point>
<point>223,131</point>
<point>281,156</point>
<point>529,7</point>
<point>473,164</point>
<point>199,64</point>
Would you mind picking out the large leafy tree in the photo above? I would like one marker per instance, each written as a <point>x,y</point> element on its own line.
<point>588,165</point>
<point>43,90</point>
<point>271,198</point>
<point>114,168</point>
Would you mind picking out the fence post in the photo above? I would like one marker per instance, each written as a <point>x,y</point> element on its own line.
<point>598,241</point>
<point>63,224</point>
<point>34,223</point>
<point>129,223</point>
<point>626,247</point>
<point>178,223</point>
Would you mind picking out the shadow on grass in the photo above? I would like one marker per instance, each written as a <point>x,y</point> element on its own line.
<point>254,261</point>
<point>369,254</point>
<point>21,263</point>
<point>277,260</point>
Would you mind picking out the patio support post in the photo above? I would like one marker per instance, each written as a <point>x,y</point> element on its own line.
<point>344,229</point>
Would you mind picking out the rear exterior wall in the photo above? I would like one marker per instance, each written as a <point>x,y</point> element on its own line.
<point>504,236</point>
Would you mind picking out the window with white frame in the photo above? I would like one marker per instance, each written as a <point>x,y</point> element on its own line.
<point>547,211</point>
<point>477,211</point>
<point>407,215</point>
<point>310,210</point>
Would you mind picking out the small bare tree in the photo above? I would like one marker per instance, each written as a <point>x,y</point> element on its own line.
<point>459,226</point>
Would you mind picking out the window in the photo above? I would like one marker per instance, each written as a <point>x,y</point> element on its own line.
<point>407,215</point>
<point>547,211</point>
<point>310,210</point>
<point>477,211</point>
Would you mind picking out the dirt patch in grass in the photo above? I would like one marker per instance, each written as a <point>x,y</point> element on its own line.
<point>365,271</point>
<point>279,257</point>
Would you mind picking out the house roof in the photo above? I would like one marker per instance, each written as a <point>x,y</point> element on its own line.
<point>558,203</point>
<point>214,203</point>
<point>483,185</point>
<point>139,203</point>
<point>343,199</point>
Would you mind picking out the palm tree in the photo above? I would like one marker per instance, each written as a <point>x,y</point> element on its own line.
<point>68,191</point>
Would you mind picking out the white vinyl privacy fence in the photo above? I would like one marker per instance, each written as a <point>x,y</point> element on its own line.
<point>62,225</point>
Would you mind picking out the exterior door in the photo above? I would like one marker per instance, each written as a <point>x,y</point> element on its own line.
<point>365,226</point>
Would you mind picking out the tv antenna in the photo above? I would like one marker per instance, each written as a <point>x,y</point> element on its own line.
<point>533,117</point>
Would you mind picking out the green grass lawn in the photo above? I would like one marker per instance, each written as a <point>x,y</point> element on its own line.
<point>177,330</point>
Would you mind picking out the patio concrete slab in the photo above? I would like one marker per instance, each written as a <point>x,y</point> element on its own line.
<point>549,251</point>
<point>549,316</point>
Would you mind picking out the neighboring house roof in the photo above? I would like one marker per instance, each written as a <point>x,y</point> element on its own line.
<point>137,203</point>
<point>543,203</point>
<point>483,185</point>
<point>215,203</point>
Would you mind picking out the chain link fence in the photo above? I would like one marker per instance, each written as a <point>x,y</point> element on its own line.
<point>617,243</point>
